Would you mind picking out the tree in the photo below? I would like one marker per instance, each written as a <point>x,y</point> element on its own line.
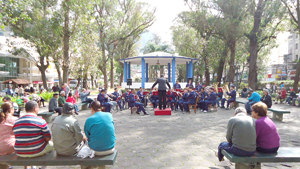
<point>293,7</point>
<point>267,16</point>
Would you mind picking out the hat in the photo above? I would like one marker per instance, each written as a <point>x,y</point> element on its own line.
<point>68,108</point>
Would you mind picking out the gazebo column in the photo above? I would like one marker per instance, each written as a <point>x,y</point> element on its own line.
<point>143,73</point>
<point>147,72</point>
<point>128,69</point>
<point>187,71</point>
<point>169,72</point>
<point>191,69</point>
<point>173,70</point>
<point>125,71</point>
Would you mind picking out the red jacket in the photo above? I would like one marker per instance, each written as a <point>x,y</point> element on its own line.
<point>283,93</point>
<point>71,100</point>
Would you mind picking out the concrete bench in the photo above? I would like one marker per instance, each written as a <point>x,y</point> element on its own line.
<point>52,159</point>
<point>278,113</point>
<point>237,102</point>
<point>284,154</point>
<point>84,106</point>
<point>47,116</point>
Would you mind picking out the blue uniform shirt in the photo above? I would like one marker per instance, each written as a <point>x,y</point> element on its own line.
<point>115,94</point>
<point>177,86</point>
<point>232,94</point>
<point>192,97</point>
<point>100,131</point>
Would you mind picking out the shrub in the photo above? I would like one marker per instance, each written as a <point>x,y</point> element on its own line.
<point>47,95</point>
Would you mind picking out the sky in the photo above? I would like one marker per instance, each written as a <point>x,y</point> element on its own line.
<point>166,12</point>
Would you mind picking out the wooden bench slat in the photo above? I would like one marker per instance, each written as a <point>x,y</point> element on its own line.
<point>284,154</point>
<point>53,159</point>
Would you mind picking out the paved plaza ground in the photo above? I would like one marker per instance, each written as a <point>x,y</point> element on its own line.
<point>183,141</point>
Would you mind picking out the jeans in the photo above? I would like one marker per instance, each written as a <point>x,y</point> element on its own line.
<point>113,104</point>
<point>57,109</point>
<point>244,94</point>
<point>218,99</point>
<point>264,150</point>
<point>248,106</point>
<point>228,102</point>
<point>206,103</point>
<point>289,99</point>
<point>88,100</point>
<point>106,106</point>
<point>233,150</point>
<point>76,108</point>
<point>140,107</point>
<point>294,101</point>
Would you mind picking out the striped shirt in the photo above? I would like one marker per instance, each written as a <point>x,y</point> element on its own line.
<point>30,132</point>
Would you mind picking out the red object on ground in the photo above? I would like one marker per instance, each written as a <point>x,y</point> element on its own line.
<point>166,111</point>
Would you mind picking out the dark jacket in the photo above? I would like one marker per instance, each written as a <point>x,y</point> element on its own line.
<point>192,97</point>
<point>293,94</point>
<point>132,100</point>
<point>267,100</point>
<point>162,82</point>
<point>232,94</point>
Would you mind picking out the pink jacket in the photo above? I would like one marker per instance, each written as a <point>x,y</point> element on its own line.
<point>7,137</point>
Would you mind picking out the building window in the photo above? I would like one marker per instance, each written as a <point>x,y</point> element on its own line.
<point>296,57</point>
<point>11,66</point>
<point>296,45</point>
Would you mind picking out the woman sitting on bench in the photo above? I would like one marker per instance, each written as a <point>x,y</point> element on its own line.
<point>268,139</point>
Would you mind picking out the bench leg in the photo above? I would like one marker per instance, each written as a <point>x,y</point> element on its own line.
<point>278,116</point>
<point>248,166</point>
<point>84,107</point>
<point>93,167</point>
<point>48,119</point>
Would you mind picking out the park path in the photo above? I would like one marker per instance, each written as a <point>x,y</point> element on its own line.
<point>182,141</point>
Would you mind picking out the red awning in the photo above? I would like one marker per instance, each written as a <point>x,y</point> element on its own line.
<point>40,82</point>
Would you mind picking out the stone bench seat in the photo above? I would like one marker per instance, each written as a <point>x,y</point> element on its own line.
<point>52,159</point>
<point>284,154</point>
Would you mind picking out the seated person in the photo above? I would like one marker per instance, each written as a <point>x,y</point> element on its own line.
<point>53,107</point>
<point>39,137</point>
<point>244,92</point>
<point>154,98</point>
<point>292,95</point>
<point>254,98</point>
<point>38,99</point>
<point>112,104</point>
<point>190,83</point>
<point>281,95</point>
<point>198,87</point>
<point>241,135</point>
<point>100,131</point>
<point>177,85</point>
<point>267,137</point>
<point>294,100</point>
<point>203,94</point>
<point>7,121</point>
<point>232,94</point>
<point>68,139</point>
<point>62,99</point>
<point>126,97</point>
<point>141,96</point>
<point>133,102</point>
<point>210,99</point>
<point>172,98</point>
<point>72,100</point>
<point>191,99</point>
<point>115,95</point>
<point>84,97</point>
<point>219,97</point>
<point>183,99</point>
<point>15,105</point>
<point>103,99</point>
<point>266,98</point>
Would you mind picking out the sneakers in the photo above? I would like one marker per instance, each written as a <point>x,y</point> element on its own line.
<point>204,111</point>
<point>145,113</point>
<point>227,108</point>
<point>222,107</point>
<point>276,103</point>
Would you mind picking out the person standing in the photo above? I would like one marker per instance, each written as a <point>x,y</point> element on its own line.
<point>10,91</point>
<point>17,90</point>
<point>21,91</point>
<point>67,90</point>
<point>162,93</point>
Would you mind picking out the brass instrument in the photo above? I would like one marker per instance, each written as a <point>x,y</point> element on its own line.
<point>226,89</point>
<point>215,85</point>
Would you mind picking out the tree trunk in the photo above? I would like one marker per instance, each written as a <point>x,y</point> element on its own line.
<point>162,71</point>
<point>221,65</point>
<point>92,81</point>
<point>242,75</point>
<point>66,41</point>
<point>58,73</point>
<point>79,81</point>
<point>112,73</point>
<point>43,73</point>
<point>84,84</point>
<point>252,79</point>
<point>207,75</point>
<point>201,79</point>
<point>231,61</point>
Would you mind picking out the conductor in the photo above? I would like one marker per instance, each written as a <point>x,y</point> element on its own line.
<point>162,91</point>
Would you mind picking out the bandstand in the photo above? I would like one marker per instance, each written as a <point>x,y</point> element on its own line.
<point>156,58</point>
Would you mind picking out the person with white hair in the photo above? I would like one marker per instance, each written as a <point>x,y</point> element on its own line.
<point>241,135</point>
<point>62,99</point>
<point>267,99</point>
<point>84,97</point>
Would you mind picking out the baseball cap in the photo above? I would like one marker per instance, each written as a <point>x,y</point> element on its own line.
<point>68,108</point>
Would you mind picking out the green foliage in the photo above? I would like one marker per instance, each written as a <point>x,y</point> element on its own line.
<point>47,95</point>
<point>242,85</point>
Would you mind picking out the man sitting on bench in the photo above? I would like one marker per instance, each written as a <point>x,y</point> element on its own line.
<point>84,97</point>
<point>100,131</point>
<point>241,135</point>
<point>32,130</point>
<point>68,139</point>
<point>254,98</point>
<point>53,104</point>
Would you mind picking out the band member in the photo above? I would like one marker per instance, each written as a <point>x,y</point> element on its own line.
<point>189,84</point>
<point>162,82</point>
<point>210,99</point>
<point>183,99</point>
<point>133,102</point>
<point>232,99</point>
<point>103,99</point>
<point>177,85</point>
<point>198,87</point>
<point>142,97</point>
<point>172,98</point>
<point>201,100</point>
<point>191,99</point>
<point>154,98</point>
<point>115,95</point>
<point>219,97</point>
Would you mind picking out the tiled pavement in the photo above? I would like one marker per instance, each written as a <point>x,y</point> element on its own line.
<point>183,140</point>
